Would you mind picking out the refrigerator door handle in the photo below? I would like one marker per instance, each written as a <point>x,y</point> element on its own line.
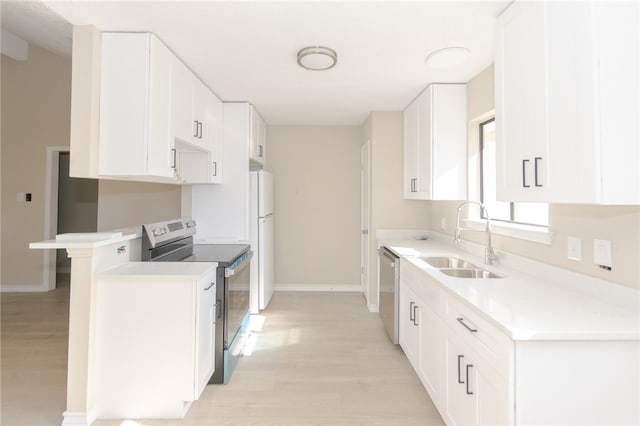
<point>266,216</point>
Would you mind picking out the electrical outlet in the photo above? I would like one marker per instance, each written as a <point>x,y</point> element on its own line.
<point>443,223</point>
<point>602,253</point>
<point>574,248</point>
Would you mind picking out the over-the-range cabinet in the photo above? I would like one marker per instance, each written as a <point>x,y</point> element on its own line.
<point>231,212</point>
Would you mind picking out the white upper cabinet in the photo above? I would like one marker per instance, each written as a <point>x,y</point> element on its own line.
<point>435,144</point>
<point>567,111</point>
<point>136,136</point>
<point>258,138</point>
<point>197,120</point>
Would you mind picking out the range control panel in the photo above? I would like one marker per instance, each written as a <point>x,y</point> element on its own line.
<point>161,232</point>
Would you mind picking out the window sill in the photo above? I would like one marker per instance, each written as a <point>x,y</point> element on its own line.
<point>535,234</point>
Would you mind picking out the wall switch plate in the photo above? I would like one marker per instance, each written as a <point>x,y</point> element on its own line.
<point>602,253</point>
<point>20,197</point>
<point>574,248</point>
<point>443,223</point>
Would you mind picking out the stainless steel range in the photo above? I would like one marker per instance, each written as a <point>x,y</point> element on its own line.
<point>172,241</point>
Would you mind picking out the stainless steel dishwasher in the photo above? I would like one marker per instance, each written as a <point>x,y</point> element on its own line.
<point>389,275</point>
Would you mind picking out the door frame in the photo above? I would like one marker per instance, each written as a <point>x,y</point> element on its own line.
<point>51,214</point>
<point>365,220</point>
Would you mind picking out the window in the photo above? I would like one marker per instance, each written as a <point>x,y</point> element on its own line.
<point>523,213</point>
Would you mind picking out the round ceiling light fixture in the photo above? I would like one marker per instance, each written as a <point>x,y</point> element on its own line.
<point>447,57</point>
<point>317,58</point>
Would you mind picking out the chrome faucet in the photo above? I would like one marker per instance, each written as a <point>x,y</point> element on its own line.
<point>489,255</point>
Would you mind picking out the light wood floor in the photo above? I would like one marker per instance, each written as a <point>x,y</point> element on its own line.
<point>319,359</point>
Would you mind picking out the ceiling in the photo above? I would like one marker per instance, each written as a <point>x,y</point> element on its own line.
<point>246,51</point>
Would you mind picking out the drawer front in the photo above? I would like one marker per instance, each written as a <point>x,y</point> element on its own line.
<point>493,346</point>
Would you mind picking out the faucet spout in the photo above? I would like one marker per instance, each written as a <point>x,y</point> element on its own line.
<point>489,255</point>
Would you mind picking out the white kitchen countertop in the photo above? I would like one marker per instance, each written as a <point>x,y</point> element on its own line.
<point>530,308</point>
<point>88,240</point>
<point>158,271</point>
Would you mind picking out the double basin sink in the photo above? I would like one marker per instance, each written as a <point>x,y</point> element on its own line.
<point>458,268</point>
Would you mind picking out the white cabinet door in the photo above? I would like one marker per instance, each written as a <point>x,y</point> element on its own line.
<point>135,106</point>
<point>521,105</point>
<point>566,102</point>
<point>215,141</point>
<point>410,123</point>
<point>257,135</point>
<point>185,128</point>
<point>435,144</point>
<point>205,330</point>
<point>431,352</point>
<point>461,404</point>
<point>409,321</point>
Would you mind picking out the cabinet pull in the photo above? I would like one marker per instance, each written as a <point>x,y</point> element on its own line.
<point>524,174</point>
<point>195,128</point>
<point>218,311</point>
<point>411,312</point>
<point>535,164</point>
<point>173,156</point>
<point>215,168</point>
<point>210,285</point>
<point>461,321</point>
<point>200,129</point>
<point>467,386</point>
<point>459,359</point>
<point>415,317</point>
<point>260,151</point>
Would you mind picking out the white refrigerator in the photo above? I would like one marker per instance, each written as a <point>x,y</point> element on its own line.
<point>261,235</point>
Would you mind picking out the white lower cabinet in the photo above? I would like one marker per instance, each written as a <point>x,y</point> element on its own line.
<point>154,339</point>
<point>477,375</point>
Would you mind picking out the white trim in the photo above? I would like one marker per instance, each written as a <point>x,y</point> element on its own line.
<point>78,418</point>
<point>26,288</point>
<point>51,214</point>
<point>351,288</point>
<point>373,308</point>
<point>536,234</point>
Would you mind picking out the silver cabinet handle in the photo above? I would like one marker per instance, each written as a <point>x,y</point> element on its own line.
<point>173,155</point>
<point>260,151</point>
<point>415,317</point>
<point>411,312</point>
<point>535,165</point>
<point>215,168</point>
<point>461,321</point>
<point>524,173</point>
<point>195,128</point>
<point>459,359</point>
<point>210,285</point>
<point>467,386</point>
<point>199,129</point>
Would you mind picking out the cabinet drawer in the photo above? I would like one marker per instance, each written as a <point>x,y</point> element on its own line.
<point>493,346</point>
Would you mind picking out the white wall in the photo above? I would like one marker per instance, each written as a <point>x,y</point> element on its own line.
<point>36,104</point>
<point>389,209</point>
<point>123,204</point>
<point>619,224</point>
<point>36,97</point>
<point>316,204</point>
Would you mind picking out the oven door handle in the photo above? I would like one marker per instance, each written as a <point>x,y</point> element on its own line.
<point>229,272</point>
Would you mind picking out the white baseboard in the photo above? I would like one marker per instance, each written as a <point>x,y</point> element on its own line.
<point>357,288</point>
<point>27,288</point>
<point>373,308</point>
<point>78,418</point>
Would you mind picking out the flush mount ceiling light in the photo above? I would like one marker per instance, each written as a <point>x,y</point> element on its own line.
<point>317,58</point>
<point>447,57</point>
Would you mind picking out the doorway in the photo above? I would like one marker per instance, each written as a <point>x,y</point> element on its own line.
<point>74,208</point>
<point>365,204</point>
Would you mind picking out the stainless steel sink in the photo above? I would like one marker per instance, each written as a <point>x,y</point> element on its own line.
<point>448,262</point>
<point>469,273</point>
